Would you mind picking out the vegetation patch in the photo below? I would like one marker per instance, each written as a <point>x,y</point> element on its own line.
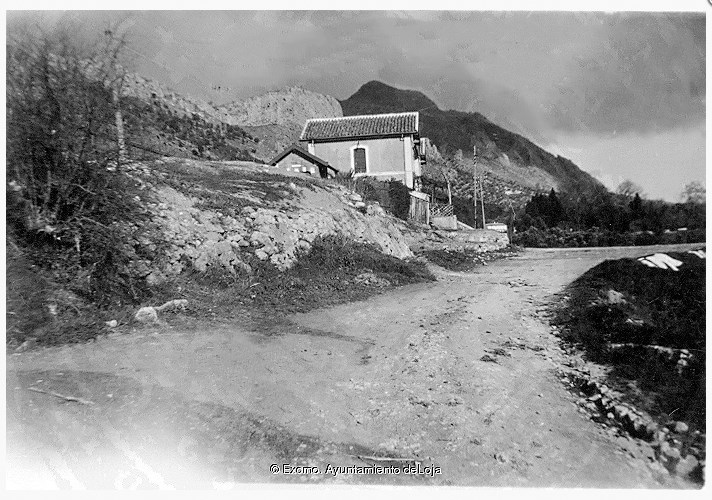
<point>334,271</point>
<point>392,195</point>
<point>156,128</point>
<point>41,312</point>
<point>557,237</point>
<point>228,190</point>
<point>648,325</point>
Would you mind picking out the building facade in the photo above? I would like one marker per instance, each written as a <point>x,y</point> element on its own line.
<point>385,146</point>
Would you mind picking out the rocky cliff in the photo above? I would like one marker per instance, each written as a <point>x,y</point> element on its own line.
<point>276,118</point>
<point>292,105</point>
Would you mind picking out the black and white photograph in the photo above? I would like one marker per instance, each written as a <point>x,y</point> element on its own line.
<point>368,248</point>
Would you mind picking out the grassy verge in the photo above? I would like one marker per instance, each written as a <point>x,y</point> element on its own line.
<point>335,271</point>
<point>650,331</point>
<point>38,311</point>
<point>225,189</point>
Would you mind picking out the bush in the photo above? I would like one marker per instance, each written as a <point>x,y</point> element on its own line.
<point>399,195</point>
<point>534,237</point>
<point>392,195</point>
<point>74,206</point>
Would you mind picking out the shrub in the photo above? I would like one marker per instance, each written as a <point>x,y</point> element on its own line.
<point>399,195</point>
<point>78,210</point>
<point>392,195</point>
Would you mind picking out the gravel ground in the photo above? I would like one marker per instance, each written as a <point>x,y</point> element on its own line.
<point>457,377</point>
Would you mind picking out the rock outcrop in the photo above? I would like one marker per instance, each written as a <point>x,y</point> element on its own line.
<point>150,91</point>
<point>292,105</point>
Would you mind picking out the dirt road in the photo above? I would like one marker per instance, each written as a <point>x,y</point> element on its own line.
<point>459,374</point>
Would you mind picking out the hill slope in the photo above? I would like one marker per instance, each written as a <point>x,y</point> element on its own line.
<point>503,154</point>
<point>277,118</point>
<point>158,120</point>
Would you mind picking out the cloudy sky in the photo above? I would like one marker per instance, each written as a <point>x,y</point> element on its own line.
<point>621,94</point>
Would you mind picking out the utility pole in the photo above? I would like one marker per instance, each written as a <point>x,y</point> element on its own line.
<point>474,184</point>
<point>482,199</point>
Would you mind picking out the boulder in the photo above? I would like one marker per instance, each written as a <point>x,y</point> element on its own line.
<point>27,344</point>
<point>146,315</point>
<point>375,210</point>
<point>681,427</point>
<point>687,465</point>
<point>614,297</point>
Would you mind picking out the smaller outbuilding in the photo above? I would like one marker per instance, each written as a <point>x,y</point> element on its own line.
<point>297,159</point>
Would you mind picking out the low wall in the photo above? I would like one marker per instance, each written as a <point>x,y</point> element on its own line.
<point>444,222</point>
<point>482,240</point>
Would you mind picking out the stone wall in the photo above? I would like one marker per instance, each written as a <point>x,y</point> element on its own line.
<point>479,240</point>
<point>484,240</point>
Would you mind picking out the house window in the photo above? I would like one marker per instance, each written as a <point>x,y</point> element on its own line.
<point>359,160</point>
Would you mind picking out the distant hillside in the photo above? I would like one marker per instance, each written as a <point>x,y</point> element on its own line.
<point>160,121</point>
<point>289,105</point>
<point>152,92</point>
<point>276,118</point>
<point>259,127</point>
<point>504,155</point>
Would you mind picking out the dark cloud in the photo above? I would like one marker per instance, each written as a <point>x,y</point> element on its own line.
<point>646,74</point>
<point>538,73</point>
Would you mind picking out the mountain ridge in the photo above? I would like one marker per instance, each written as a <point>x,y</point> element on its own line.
<point>498,148</point>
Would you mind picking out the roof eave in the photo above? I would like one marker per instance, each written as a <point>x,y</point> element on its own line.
<point>355,137</point>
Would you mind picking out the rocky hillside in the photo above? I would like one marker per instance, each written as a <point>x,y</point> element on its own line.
<point>291,105</point>
<point>152,92</point>
<point>230,214</point>
<point>510,160</point>
<point>277,118</point>
<point>160,121</point>
<point>268,123</point>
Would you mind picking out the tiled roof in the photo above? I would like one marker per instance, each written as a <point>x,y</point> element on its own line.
<point>360,126</point>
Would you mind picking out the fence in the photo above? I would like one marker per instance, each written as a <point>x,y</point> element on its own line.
<point>441,210</point>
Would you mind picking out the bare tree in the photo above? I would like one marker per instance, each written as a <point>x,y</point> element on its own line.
<point>694,192</point>
<point>629,189</point>
<point>444,167</point>
<point>63,149</point>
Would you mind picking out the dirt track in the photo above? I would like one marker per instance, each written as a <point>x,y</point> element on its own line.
<point>459,374</point>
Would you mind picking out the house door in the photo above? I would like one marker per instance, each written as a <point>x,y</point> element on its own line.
<point>359,160</point>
